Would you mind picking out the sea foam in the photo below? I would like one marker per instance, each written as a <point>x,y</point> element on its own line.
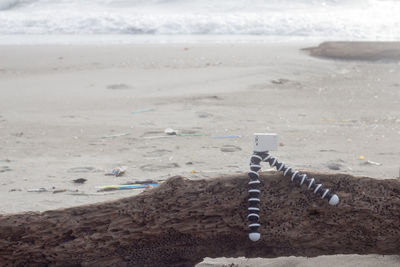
<point>334,19</point>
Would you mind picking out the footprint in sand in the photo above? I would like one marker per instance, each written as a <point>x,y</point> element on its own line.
<point>204,115</point>
<point>153,167</point>
<point>334,166</point>
<point>286,81</point>
<point>82,169</point>
<point>5,169</point>
<point>280,81</point>
<point>230,148</point>
<point>157,153</point>
<point>119,86</point>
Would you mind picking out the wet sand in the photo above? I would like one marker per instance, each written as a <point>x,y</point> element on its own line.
<point>363,51</point>
<point>69,112</point>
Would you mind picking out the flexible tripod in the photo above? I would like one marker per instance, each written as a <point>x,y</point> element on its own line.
<point>263,143</point>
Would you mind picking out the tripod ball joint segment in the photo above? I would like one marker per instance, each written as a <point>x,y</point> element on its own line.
<point>263,143</point>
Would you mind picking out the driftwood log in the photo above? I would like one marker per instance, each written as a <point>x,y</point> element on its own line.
<point>183,221</point>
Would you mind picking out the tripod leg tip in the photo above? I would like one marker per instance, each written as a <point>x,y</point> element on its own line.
<point>254,236</point>
<point>334,200</point>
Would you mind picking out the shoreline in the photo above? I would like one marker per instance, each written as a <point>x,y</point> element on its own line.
<point>159,39</point>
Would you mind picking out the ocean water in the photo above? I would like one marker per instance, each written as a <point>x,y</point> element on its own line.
<point>329,19</point>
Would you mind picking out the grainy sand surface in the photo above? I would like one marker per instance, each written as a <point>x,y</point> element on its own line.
<point>68,112</point>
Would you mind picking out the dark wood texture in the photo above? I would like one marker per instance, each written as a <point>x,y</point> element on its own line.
<point>183,221</point>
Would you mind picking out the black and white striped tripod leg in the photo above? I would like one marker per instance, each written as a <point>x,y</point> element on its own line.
<point>254,200</point>
<point>263,143</point>
<point>296,176</point>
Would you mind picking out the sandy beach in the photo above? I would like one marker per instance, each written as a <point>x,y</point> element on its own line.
<point>77,111</point>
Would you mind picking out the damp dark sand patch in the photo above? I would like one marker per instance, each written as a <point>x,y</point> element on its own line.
<point>119,86</point>
<point>230,148</point>
<point>364,51</point>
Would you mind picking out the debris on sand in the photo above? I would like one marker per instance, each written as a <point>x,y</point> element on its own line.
<point>370,162</point>
<point>280,81</point>
<point>118,171</point>
<point>143,110</point>
<point>53,190</point>
<point>39,190</point>
<point>147,181</point>
<point>79,180</point>
<point>14,190</point>
<point>126,187</point>
<point>157,137</point>
<point>170,131</point>
<point>59,191</point>
<point>114,135</point>
<point>204,115</point>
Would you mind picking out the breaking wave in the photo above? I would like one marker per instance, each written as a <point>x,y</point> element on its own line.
<point>10,4</point>
<point>345,19</point>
